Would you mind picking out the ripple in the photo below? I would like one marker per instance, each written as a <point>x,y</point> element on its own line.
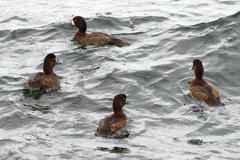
<point>165,121</point>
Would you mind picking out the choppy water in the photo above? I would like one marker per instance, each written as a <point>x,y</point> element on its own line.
<point>165,121</point>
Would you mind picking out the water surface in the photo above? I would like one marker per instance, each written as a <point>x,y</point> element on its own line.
<point>165,122</point>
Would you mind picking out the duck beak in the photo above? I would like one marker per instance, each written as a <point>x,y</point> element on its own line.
<point>128,103</point>
<point>69,25</point>
<point>191,68</point>
<point>58,61</point>
<point>73,23</point>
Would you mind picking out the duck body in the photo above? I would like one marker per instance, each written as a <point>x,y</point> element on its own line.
<point>41,81</point>
<point>200,89</point>
<point>116,121</point>
<point>93,38</point>
<point>47,80</point>
<point>111,124</point>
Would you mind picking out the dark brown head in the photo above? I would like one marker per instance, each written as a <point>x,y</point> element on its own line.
<point>80,23</point>
<point>118,102</point>
<point>49,62</point>
<point>198,68</point>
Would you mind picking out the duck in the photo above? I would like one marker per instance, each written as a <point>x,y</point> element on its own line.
<point>46,80</point>
<point>200,89</point>
<point>93,38</point>
<point>117,120</point>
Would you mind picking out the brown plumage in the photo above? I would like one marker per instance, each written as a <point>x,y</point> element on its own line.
<point>117,120</point>
<point>200,89</point>
<point>44,81</point>
<point>93,38</point>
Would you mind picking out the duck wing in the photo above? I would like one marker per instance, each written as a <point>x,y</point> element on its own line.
<point>96,38</point>
<point>41,81</point>
<point>104,128</point>
<point>207,93</point>
<point>109,125</point>
<point>107,39</point>
<point>119,124</point>
<point>199,93</point>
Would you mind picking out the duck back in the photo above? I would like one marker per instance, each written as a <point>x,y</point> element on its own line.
<point>41,81</point>
<point>207,93</point>
<point>98,38</point>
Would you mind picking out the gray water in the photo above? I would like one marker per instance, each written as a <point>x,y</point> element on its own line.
<point>165,121</point>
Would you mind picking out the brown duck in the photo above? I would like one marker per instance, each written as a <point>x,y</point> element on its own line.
<point>117,120</point>
<point>200,89</point>
<point>93,38</point>
<point>44,81</point>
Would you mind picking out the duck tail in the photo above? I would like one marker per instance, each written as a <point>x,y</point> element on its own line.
<point>118,42</point>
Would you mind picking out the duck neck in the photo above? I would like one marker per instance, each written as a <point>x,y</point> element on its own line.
<point>198,76</point>
<point>80,33</point>
<point>82,26</point>
<point>82,30</point>
<point>48,70</point>
<point>117,110</point>
<point>199,72</point>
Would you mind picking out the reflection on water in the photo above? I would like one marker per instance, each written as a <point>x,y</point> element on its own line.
<point>196,109</point>
<point>120,134</point>
<point>38,93</point>
<point>199,142</point>
<point>114,149</point>
<point>152,71</point>
<point>195,141</point>
<point>42,109</point>
<point>34,94</point>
